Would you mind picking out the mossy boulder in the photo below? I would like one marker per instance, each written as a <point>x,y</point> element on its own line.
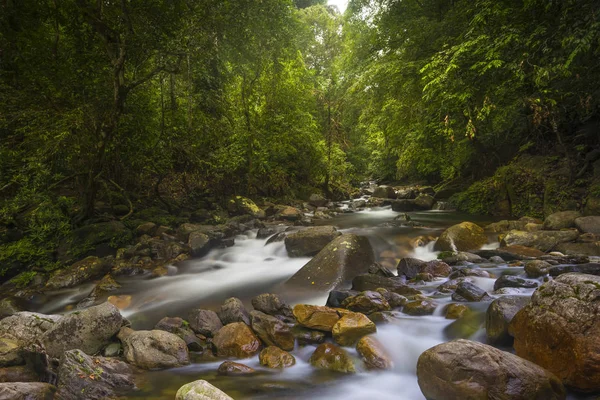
<point>542,240</point>
<point>461,237</point>
<point>384,192</point>
<point>154,349</point>
<point>310,241</point>
<point>239,205</point>
<point>561,220</point>
<point>331,357</point>
<point>589,224</point>
<point>80,272</point>
<point>424,202</point>
<point>334,267</point>
<point>200,390</point>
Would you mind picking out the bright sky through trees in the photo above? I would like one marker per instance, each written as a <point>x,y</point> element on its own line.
<point>341,4</point>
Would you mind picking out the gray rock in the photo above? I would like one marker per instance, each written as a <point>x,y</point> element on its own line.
<point>541,240</point>
<point>537,268</point>
<point>466,291</point>
<point>272,304</point>
<point>177,326</point>
<point>411,267</point>
<point>498,316</point>
<point>404,205</point>
<point>204,322</point>
<point>513,282</point>
<point>88,330</point>
<point>199,244</point>
<point>82,271</point>
<point>462,369</point>
<point>374,282</point>
<point>93,378</point>
<point>590,224</point>
<point>310,241</point>
<point>26,327</point>
<point>561,220</point>
<point>316,200</point>
<point>233,310</point>
<point>153,349</point>
<point>384,192</point>
<point>424,202</point>
<point>200,390</point>
<point>590,269</point>
<point>272,331</point>
<point>27,391</point>
<point>10,306</point>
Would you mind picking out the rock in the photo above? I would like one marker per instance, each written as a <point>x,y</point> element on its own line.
<point>199,244</point>
<point>378,269</point>
<point>580,248</point>
<point>463,369</point>
<point>330,357</point>
<point>465,326</point>
<point>536,268</point>
<point>561,220</point>
<point>289,214</point>
<point>88,330</point>
<point>497,260</point>
<point>10,353</point>
<point>404,205</point>
<point>147,228</point>
<point>394,299</point>
<point>154,349</point>
<point>272,331</point>
<point>513,282</point>
<point>272,304</point>
<point>385,317</point>
<point>265,232</point>
<point>407,193</point>
<point>341,260</point>
<point>233,368</point>
<point>384,192</point>
<point>10,306</point>
<point>541,240</point>
<point>420,307</point>
<point>82,271</point>
<point>93,378</point>
<point>411,267</point>
<point>373,354</point>
<point>112,350</point>
<point>179,327</point>
<point>461,237</point>
<point>305,336</point>
<point>26,327</point>
<point>457,257</point>
<point>27,391</point>
<point>512,253</point>
<point>466,291</point>
<point>274,357</point>
<point>243,206</point>
<point>233,310</point>
<point>204,322</point>
<point>316,200</point>
<point>106,285</point>
<point>367,302</point>
<point>336,297</point>
<point>310,241</point>
<point>455,311</point>
<point>498,316</point>
<point>316,317</point>
<point>236,340</point>
<point>18,373</point>
<point>351,327</point>
<point>424,202</point>
<point>200,390</point>
<point>462,272</point>
<point>560,330</point>
<point>590,269</point>
<point>589,224</point>
<point>374,282</point>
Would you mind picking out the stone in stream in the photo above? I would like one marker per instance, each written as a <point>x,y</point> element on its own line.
<point>590,224</point>
<point>333,267</point>
<point>305,336</point>
<point>333,358</point>
<point>367,302</point>
<point>232,368</point>
<point>590,269</point>
<point>560,330</point>
<point>465,326</point>
<point>511,281</point>
<point>351,327</point>
<point>395,300</point>
<point>178,327</point>
<point>378,269</point>
<point>233,310</point>
<point>511,253</point>
<point>411,267</point>
<point>92,378</point>
<point>272,331</point>
<point>153,349</point>
<point>204,322</point>
<point>200,390</point>
<point>455,310</point>
<point>274,357</point>
<point>457,257</point>
<point>374,354</point>
<point>384,192</point>
<point>10,306</point>
<point>541,240</point>
<point>26,327</point>
<point>199,244</point>
<point>236,340</point>
<point>404,205</point>
<point>466,291</point>
<point>461,237</point>
<point>82,271</point>
<point>337,297</point>
<point>27,391</point>
<point>88,330</point>
<point>374,282</point>
<point>420,307</point>
<point>316,317</point>
<point>462,272</point>
<point>561,220</point>
<point>462,369</point>
<point>537,268</point>
<point>310,241</point>
<point>498,316</point>
<point>424,201</point>
<point>272,304</point>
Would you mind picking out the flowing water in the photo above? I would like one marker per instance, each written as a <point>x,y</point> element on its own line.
<point>249,268</point>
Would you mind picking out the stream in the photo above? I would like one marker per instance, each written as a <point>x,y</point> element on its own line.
<point>250,268</point>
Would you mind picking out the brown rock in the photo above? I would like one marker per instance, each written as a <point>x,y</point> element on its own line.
<point>367,302</point>
<point>274,357</point>
<point>272,331</point>
<point>420,307</point>
<point>233,368</point>
<point>461,237</point>
<point>351,327</point>
<point>455,311</point>
<point>373,353</point>
<point>310,241</point>
<point>236,340</point>
<point>316,317</point>
<point>330,357</point>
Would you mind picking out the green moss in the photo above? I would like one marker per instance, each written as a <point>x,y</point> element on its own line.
<point>23,279</point>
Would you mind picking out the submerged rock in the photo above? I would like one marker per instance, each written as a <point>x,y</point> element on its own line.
<point>461,237</point>
<point>310,241</point>
<point>463,369</point>
<point>373,353</point>
<point>233,368</point>
<point>200,390</point>
<point>331,357</point>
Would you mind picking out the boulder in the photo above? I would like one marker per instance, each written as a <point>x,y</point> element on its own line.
<point>498,316</point>
<point>274,357</point>
<point>82,271</point>
<point>10,352</point>
<point>542,240</point>
<point>424,202</point>
<point>367,302</point>
<point>272,304</point>
<point>589,224</point>
<point>289,214</point>
<point>374,354</point>
<point>420,307</point>
<point>394,299</point>
<point>331,357</point>
<point>374,282</point>
<point>233,310</point>
<point>154,349</point>
<point>236,340</point>
<point>18,373</point>
<point>455,311</point>
<point>465,326</point>
<point>199,244</point>
<point>462,272</point>
<point>511,281</point>
<point>333,267</point>
<point>93,378</point>
<point>384,192</point>
<point>204,322</point>
<point>404,205</point>
<point>272,331</point>
<point>200,390</point>
<point>580,248</point>
<point>336,298</point>
<point>310,241</point>
<point>512,253</point>
<point>305,336</point>
<point>316,200</point>
<point>239,205</point>
<point>179,327</point>
<point>537,268</point>
<point>26,327</point>
<point>467,291</point>
<point>410,267</point>
<point>88,330</point>
<point>462,369</point>
<point>316,317</point>
<point>10,306</point>
<point>590,269</point>
<point>233,368</point>
<point>27,391</point>
<point>106,285</point>
<point>351,327</point>
<point>560,330</point>
<point>461,237</point>
<point>460,256</point>
<point>561,220</point>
